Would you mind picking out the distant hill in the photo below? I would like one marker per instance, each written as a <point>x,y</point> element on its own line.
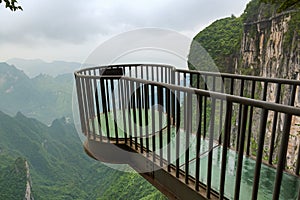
<point>35,67</point>
<point>58,165</point>
<point>42,97</point>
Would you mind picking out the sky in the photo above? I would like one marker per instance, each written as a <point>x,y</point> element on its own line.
<point>70,30</point>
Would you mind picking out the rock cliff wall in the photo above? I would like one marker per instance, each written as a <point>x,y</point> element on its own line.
<point>28,193</point>
<point>271,48</point>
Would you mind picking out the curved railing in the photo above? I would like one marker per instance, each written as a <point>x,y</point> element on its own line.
<point>178,116</point>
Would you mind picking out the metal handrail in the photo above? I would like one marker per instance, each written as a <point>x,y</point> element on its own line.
<point>163,88</point>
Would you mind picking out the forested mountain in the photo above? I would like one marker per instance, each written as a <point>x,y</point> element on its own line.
<point>264,41</point>
<point>42,97</point>
<point>34,67</point>
<point>263,36</point>
<point>12,177</point>
<point>58,166</point>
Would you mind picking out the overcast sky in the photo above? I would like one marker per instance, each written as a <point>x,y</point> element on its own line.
<point>70,30</point>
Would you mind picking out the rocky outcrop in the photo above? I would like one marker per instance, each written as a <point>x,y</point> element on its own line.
<point>28,193</point>
<point>271,48</point>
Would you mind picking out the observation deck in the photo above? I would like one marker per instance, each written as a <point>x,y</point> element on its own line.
<point>193,134</point>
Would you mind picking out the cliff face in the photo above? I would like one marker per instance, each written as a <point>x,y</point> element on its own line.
<point>28,193</point>
<point>271,48</point>
<point>263,43</point>
<point>266,50</point>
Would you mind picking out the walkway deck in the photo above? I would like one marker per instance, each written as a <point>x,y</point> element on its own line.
<point>290,182</point>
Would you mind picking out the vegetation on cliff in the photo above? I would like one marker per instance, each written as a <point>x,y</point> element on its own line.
<point>12,177</point>
<point>223,38</point>
<point>59,167</point>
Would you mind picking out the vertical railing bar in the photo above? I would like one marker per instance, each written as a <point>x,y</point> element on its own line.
<point>283,146</point>
<point>160,106</point>
<point>231,85</point>
<point>146,115</point>
<point>123,100</point>
<point>240,152</point>
<point>157,74</point>
<point>85,102</point>
<point>298,163</point>
<point>205,108</point>
<point>177,129</point>
<point>231,92</point>
<point>240,116</point>
<point>221,112</point>
<point>147,72</point>
<point>173,97</point>
<point>210,146</point>
<point>153,122</point>
<point>133,97</point>
<point>282,155</point>
<point>112,87</point>
<point>168,129</point>
<point>161,74</point>
<point>152,73</point>
<point>166,75</point>
<point>198,137</point>
<point>262,132</point>
<point>142,88</point>
<point>91,103</point>
<point>136,71</point>
<point>187,136</point>
<point>103,96</point>
<point>265,90</point>
<point>107,96</point>
<point>128,92</point>
<point>97,104</point>
<point>139,101</point>
<point>274,125</point>
<point>98,113</point>
<point>80,103</point>
<point>250,119</point>
<point>227,132</point>
<point>119,94</point>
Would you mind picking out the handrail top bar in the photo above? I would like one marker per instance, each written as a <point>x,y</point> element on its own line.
<point>222,96</point>
<point>223,75</point>
<point>124,65</point>
<point>245,77</point>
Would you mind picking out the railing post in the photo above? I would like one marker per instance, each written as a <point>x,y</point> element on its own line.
<point>173,96</point>
<point>282,155</point>
<point>199,99</point>
<point>274,125</point>
<point>240,152</point>
<point>250,120</point>
<point>227,132</point>
<point>298,163</point>
<point>262,132</point>
<point>210,146</point>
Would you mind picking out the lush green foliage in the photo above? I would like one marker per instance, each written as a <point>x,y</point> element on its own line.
<point>283,4</point>
<point>221,40</point>
<point>11,4</point>
<point>12,177</point>
<point>59,167</point>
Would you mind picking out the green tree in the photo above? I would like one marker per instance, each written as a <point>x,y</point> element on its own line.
<point>283,4</point>
<point>11,4</point>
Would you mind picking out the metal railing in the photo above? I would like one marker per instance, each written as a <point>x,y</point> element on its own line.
<point>144,105</point>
